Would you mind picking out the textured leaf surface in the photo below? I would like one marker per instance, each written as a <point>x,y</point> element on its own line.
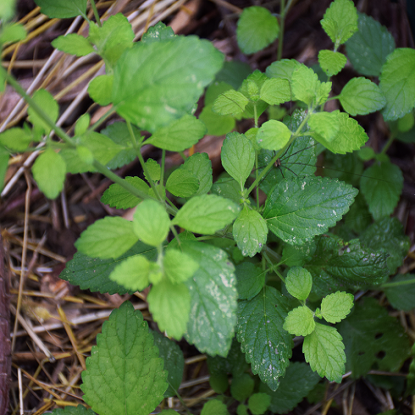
<point>381,186</point>
<point>200,165</point>
<point>304,82</point>
<point>273,135</point>
<point>168,80</point>
<point>73,44</point>
<point>335,307</point>
<point>230,103</point>
<point>300,321</point>
<point>182,183</point>
<point>372,336</point>
<point>46,101</point>
<point>324,350</point>
<point>117,196</point>
<point>250,232</point>
<point>250,280</point>
<point>256,29</point>
<point>368,48</point>
<point>361,96</point>
<point>298,209</point>
<point>402,297</point>
<point>276,91</point>
<point>153,170</point>
<point>299,282</point>
<point>178,266</point>
<point>267,346</point>
<point>283,68</point>
<point>206,214</point>
<point>62,9</point>
<point>124,372</point>
<point>71,410</point>
<point>214,299</point>
<point>157,32</point>
<point>107,238</point>
<point>325,123</point>
<point>132,273</point>
<point>331,62</point>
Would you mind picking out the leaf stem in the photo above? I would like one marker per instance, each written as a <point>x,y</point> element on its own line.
<point>273,267</point>
<point>387,145</point>
<point>282,21</point>
<point>94,8</point>
<point>397,283</point>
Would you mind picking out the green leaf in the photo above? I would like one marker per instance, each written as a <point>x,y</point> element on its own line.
<point>93,273</point>
<point>103,148</point>
<point>254,81</point>
<point>233,72</point>
<point>227,187</point>
<point>300,321</point>
<point>216,124</point>
<point>12,32</point>
<point>298,283</point>
<point>372,336</point>
<point>298,209</point>
<point>107,238</point>
<point>178,266</point>
<point>46,101</point>
<point>62,9</point>
<point>242,409</point>
<point>172,355</point>
<point>276,91</point>
<point>132,273</point>
<point>170,306</point>
<point>350,137</point>
<point>71,410</point>
<point>340,21</point>
<point>49,171</point>
<point>335,307</point>
<point>17,139</point>
<point>256,29</point>
<point>200,165</point>
<point>388,235</point>
<point>120,198</point>
<point>206,214</point>
<point>179,135</point>
<point>82,124</point>
<point>215,89</point>
<point>250,280</point>
<point>361,96</point>
<point>273,135</point>
<point>238,157</point>
<point>324,350</point>
<point>73,44</point>
<point>402,296</point>
<point>153,169</point>
<point>157,33</point>
<point>7,10</point>
<point>304,83</point>
<point>230,102</point>
<point>99,89</point>
<point>326,124</point>
<point>381,186</point>
<point>169,79</point>
<point>219,383</point>
<point>267,346</point>
<point>368,48</point>
<point>182,183</point>
<point>213,299</point>
<point>258,403</point>
<point>151,222</point>
<point>331,62</point>
<point>214,407</point>
<point>242,387</point>
<point>113,38</point>
<point>250,232</point>
<point>4,164</point>
<point>124,372</point>
<point>283,68</point>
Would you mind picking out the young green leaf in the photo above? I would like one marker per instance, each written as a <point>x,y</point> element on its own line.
<point>151,222</point>
<point>242,387</point>
<point>170,306</point>
<point>214,299</point>
<point>304,84</point>
<point>283,69</point>
<point>397,82</point>
<point>82,124</point>
<point>214,407</point>
<point>361,96</point>
<point>120,198</point>
<point>230,103</point>
<point>273,135</point>
<point>4,164</point>
<point>216,124</point>
<point>267,346</point>
<point>252,83</point>
<point>238,157</point>
<point>200,165</point>
<point>250,232</point>
<point>99,89</point>
<point>340,21</point>
<point>371,337</point>
<point>157,33</point>
<point>256,29</point>
<point>179,135</point>
<point>326,124</point>
<point>250,280</point>
<point>335,307</point>
<point>12,32</point>
<point>125,351</point>
<point>374,42</point>
<point>7,10</point>
<point>73,44</point>
<point>168,90</point>
<point>381,185</point>
<point>298,283</point>
<point>182,183</point>
<point>296,222</point>
<point>258,403</point>
<point>49,171</point>
<point>46,101</point>
<point>132,273</point>
<point>276,91</point>
<point>17,139</point>
<point>107,238</point>
<point>300,321</point>
<point>331,62</point>
<point>102,147</point>
<point>178,266</point>
<point>153,169</point>
<point>206,214</point>
<point>62,9</point>
<point>402,296</point>
<point>324,350</point>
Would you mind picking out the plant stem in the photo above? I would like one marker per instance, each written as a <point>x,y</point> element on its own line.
<point>94,8</point>
<point>281,37</point>
<point>387,145</point>
<point>273,267</point>
<point>397,283</point>
<point>163,160</point>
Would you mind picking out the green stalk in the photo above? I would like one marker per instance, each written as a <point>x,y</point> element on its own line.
<point>397,283</point>
<point>387,145</point>
<point>94,8</point>
<point>282,23</point>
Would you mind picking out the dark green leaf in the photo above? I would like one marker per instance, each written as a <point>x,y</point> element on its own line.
<point>157,33</point>
<point>242,387</point>
<point>214,407</point>
<point>62,9</point>
<point>216,124</point>
<point>250,280</point>
<point>258,403</point>
<point>233,72</point>
<point>402,297</point>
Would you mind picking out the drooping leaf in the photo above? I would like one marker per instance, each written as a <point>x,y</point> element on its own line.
<point>250,280</point>
<point>300,321</point>
<point>256,29</point>
<point>168,80</point>
<point>372,336</point>
<point>120,198</point>
<point>213,299</point>
<point>200,165</point>
<point>107,238</point>
<point>124,372</point>
<point>62,9</point>
<point>132,273</point>
<point>381,186</point>
<point>73,44</point>
<point>45,100</point>
<point>99,89</point>
<point>298,209</point>
<point>267,346</point>
<point>17,139</point>
<point>157,33</point>
<point>335,307</point>
<point>361,96</point>
<point>331,62</point>
<point>258,403</point>
<point>182,183</point>
<point>276,91</point>
<point>324,350</point>
<point>178,266</point>
<point>402,296</point>
<point>230,102</point>
<point>273,135</point>
<point>298,283</point>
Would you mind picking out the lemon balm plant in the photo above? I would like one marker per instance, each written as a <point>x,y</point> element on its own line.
<point>244,277</point>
